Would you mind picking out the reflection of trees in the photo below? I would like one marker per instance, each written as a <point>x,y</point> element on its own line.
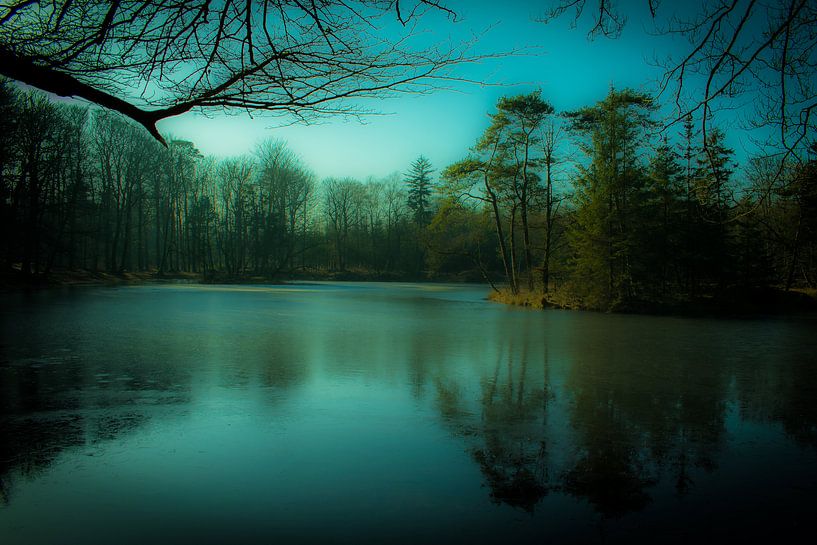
<point>30,445</point>
<point>638,411</point>
<point>511,449</point>
<point>781,387</point>
<point>610,469</point>
<point>49,404</point>
<point>514,455</point>
<point>72,390</point>
<point>643,407</point>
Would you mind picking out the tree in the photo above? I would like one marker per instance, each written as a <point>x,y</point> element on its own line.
<point>150,60</point>
<point>419,183</point>
<point>504,164</point>
<point>395,201</point>
<point>609,193</point>
<point>9,103</point>
<point>715,203</point>
<point>340,207</point>
<point>284,189</point>
<point>693,227</point>
<point>38,141</point>
<point>236,198</point>
<point>663,224</point>
<point>523,117</point>
<point>551,200</point>
<point>803,191</point>
<point>768,49</point>
<point>479,177</point>
<point>420,186</point>
<point>460,240</point>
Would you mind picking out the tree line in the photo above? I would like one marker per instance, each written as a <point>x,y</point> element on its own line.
<point>595,203</point>
<point>600,204</point>
<point>87,189</point>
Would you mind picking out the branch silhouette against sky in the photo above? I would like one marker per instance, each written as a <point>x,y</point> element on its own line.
<point>151,60</point>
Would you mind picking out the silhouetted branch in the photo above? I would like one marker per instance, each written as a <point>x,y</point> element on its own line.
<point>154,59</point>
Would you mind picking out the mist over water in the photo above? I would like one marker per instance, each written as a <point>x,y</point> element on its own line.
<point>400,413</point>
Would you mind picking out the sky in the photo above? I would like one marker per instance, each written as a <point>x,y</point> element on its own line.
<point>570,70</point>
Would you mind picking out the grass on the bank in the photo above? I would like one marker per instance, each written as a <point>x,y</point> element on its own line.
<point>730,302</point>
<point>536,299</point>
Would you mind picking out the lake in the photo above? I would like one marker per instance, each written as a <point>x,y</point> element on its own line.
<point>395,413</point>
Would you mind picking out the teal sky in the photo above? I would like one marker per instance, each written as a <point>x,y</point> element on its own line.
<point>571,71</point>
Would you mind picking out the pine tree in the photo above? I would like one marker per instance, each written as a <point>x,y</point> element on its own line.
<point>662,225</point>
<point>418,179</point>
<point>694,227</point>
<point>609,195</point>
<point>714,191</point>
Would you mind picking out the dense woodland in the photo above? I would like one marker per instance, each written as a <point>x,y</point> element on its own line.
<point>594,203</point>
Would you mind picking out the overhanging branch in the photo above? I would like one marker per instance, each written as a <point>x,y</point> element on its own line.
<point>53,81</point>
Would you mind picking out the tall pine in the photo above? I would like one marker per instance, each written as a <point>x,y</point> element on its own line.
<point>419,183</point>
<point>609,197</point>
<point>663,218</point>
<point>715,197</point>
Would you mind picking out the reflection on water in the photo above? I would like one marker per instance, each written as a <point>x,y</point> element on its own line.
<point>373,413</point>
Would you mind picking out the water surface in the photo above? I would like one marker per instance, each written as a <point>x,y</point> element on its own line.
<point>395,413</point>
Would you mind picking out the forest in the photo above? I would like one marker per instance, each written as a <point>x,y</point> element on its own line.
<point>593,208</point>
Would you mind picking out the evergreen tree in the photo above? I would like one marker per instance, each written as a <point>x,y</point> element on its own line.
<point>609,194</point>
<point>714,195</point>
<point>692,231</point>
<point>662,226</point>
<point>418,179</point>
<point>522,118</point>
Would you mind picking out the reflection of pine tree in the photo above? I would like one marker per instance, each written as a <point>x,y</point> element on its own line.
<point>418,179</point>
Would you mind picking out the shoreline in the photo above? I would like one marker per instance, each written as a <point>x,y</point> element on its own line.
<point>14,280</point>
<point>735,303</point>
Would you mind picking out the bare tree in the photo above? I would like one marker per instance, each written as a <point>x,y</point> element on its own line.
<point>341,207</point>
<point>285,186</point>
<point>768,49</point>
<point>159,58</point>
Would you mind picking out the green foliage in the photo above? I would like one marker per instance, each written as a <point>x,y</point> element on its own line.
<point>610,197</point>
<point>647,221</point>
<point>460,240</point>
<point>662,222</point>
<point>502,173</point>
<point>715,198</point>
<point>420,186</point>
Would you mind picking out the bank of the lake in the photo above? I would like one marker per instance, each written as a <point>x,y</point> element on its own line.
<point>14,279</point>
<point>730,302</point>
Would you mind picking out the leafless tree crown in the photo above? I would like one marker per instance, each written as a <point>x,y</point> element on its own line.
<point>154,59</point>
<point>768,48</point>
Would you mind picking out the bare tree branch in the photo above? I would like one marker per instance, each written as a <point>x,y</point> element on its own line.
<point>765,51</point>
<point>768,49</point>
<point>154,59</point>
